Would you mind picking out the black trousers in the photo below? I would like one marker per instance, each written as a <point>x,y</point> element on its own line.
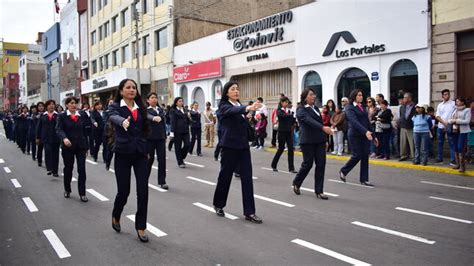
<point>360,152</point>
<point>39,153</point>
<point>96,144</point>
<point>230,160</point>
<point>68,160</point>
<point>32,147</point>
<point>105,148</point>
<point>316,153</point>
<point>158,146</point>
<point>51,154</point>
<point>195,136</point>
<point>274,136</point>
<point>284,137</point>
<point>181,147</point>
<point>123,170</point>
<point>90,139</point>
<point>218,149</point>
<point>22,135</point>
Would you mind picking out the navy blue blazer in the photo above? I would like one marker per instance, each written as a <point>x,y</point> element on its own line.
<point>134,139</point>
<point>357,120</point>
<point>311,125</point>
<point>233,126</point>
<point>97,118</point>
<point>46,130</point>
<point>179,121</point>
<point>285,120</point>
<point>195,119</point>
<point>158,130</point>
<point>74,131</point>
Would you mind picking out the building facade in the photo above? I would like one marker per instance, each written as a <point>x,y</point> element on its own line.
<point>51,44</point>
<point>32,72</point>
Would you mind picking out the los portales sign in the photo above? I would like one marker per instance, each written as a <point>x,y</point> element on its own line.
<point>353,51</point>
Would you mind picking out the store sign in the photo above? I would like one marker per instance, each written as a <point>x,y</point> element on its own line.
<point>202,70</point>
<point>354,51</point>
<point>257,57</point>
<point>99,83</point>
<point>242,42</point>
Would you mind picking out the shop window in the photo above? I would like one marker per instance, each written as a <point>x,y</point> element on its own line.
<point>352,79</point>
<point>403,78</point>
<point>313,80</point>
<point>183,92</point>
<point>199,97</point>
<point>216,92</point>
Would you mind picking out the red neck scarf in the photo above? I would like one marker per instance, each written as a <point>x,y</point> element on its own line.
<point>50,116</point>
<point>74,118</point>
<point>134,114</point>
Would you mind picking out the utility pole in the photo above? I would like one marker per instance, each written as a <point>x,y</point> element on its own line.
<point>137,54</point>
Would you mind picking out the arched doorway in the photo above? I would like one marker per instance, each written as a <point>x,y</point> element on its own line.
<point>216,92</point>
<point>183,93</point>
<point>351,79</point>
<point>403,78</point>
<point>198,96</point>
<point>313,80</point>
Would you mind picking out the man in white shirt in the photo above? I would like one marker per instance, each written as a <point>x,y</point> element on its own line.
<point>263,109</point>
<point>443,113</point>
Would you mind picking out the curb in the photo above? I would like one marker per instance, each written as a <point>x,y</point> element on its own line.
<point>429,168</point>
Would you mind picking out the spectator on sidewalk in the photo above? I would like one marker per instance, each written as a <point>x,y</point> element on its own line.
<point>460,124</point>
<point>470,137</point>
<point>383,129</point>
<point>209,123</point>
<point>261,130</point>
<point>378,99</point>
<point>421,134</point>
<point>345,127</point>
<point>433,128</point>
<point>372,111</point>
<point>326,116</point>
<point>275,126</point>
<point>443,113</point>
<point>407,111</point>
<point>337,125</point>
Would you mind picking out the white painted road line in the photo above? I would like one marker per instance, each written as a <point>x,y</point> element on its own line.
<point>92,162</point>
<point>328,252</point>
<point>211,209</point>
<point>200,180</point>
<point>15,182</point>
<point>446,185</point>
<point>7,170</point>
<point>156,168</point>
<point>150,228</point>
<point>348,183</point>
<point>312,190</point>
<point>254,177</point>
<point>74,179</point>
<point>2,161</point>
<point>97,194</point>
<point>56,243</point>
<point>194,164</point>
<point>279,171</point>
<point>395,233</point>
<point>455,201</point>
<point>274,201</point>
<point>434,215</point>
<point>156,188</point>
<point>30,205</point>
<point>111,170</point>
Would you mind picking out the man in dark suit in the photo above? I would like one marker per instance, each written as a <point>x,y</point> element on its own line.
<point>313,137</point>
<point>359,135</point>
<point>157,138</point>
<point>407,111</point>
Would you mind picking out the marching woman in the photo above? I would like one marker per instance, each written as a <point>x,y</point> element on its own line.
<point>234,141</point>
<point>195,128</point>
<point>129,117</point>
<point>46,134</point>
<point>359,136</point>
<point>71,130</point>
<point>108,137</point>
<point>22,128</point>
<point>39,153</point>
<point>286,123</point>
<point>180,120</point>
<point>85,111</point>
<point>313,138</point>
<point>30,141</point>
<point>157,138</point>
<point>97,128</point>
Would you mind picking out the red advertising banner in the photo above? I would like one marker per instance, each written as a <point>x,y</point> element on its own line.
<point>201,70</point>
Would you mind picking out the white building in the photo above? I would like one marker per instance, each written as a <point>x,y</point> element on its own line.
<point>32,72</point>
<point>332,46</point>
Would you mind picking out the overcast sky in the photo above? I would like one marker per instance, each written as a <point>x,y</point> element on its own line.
<point>21,20</point>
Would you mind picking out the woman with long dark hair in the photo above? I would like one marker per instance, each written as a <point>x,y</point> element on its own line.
<point>196,129</point>
<point>235,151</point>
<point>359,135</point>
<point>39,152</point>
<point>129,117</point>
<point>30,139</point>
<point>286,122</point>
<point>46,134</point>
<point>71,130</point>
<point>97,129</point>
<point>180,121</point>
<point>22,128</point>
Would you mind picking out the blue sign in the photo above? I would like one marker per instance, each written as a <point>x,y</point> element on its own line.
<point>375,76</point>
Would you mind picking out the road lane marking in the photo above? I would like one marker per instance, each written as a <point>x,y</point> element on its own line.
<point>254,177</point>
<point>2,161</point>
<point>111,170</point>
<point>156,188</point>
<point>201,180</point>
<point>56,243</point>
<point>274,201</point>
<point>156,168</point>
<point>7,170</point>
<point>348,183</point>
<point>329,252</point>
<point>446,185</point>
<point>97,194</point>
<point>211,209</point>
<point>395,233</point>
<point>92,162</point>
<point>279,171</point>
<point>30,204</point>
<point>74,179</point>
<point>150,228</point>
<point>15,182</point>
<point>194,164</point>
<point>312,190</point>
<point>434,215</point>
<point>455,201</point>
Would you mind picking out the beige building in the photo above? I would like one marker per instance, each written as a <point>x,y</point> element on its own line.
<point>452,48</point>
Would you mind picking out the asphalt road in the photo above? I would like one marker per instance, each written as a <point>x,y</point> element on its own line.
<point>409,218</point>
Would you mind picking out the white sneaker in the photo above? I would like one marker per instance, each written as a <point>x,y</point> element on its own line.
<point>260,148</point>
<point>333,153</point>
<point>339,154</point>
<point>256,147</point>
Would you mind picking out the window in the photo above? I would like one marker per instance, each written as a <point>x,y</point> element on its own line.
<point>100,33</point>
<point>105,2</point>
<point>403,78</point>
<point>106,29</point>
<point>106,61</point>
<point>313,80</point>
<point>115,24</point>
<point>115,58</point>
<point>94,66</point>
<point>161,37</point>
<point>100,4</point>
<point>134,50</point>
<point>159,2</point>
<point>145,44</point>
<point>93,7</point>
<point>101,63</point>
<point>144,6</point>
<point>125,53</point>
<point>93,37</point>
<point>125,17</point>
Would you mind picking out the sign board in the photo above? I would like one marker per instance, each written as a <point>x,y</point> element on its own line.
<point>201,70</point>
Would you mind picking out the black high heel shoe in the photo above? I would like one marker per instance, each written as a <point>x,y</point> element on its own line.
<point>143,238</point>
<point>67,195</point>
<point>342,176</point>
<point>84,199</point>
<point>116,225</point>
<point>296,189</point>
<point>321,196</point>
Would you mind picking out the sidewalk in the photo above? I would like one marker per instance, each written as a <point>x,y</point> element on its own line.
<point>445,169</point>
